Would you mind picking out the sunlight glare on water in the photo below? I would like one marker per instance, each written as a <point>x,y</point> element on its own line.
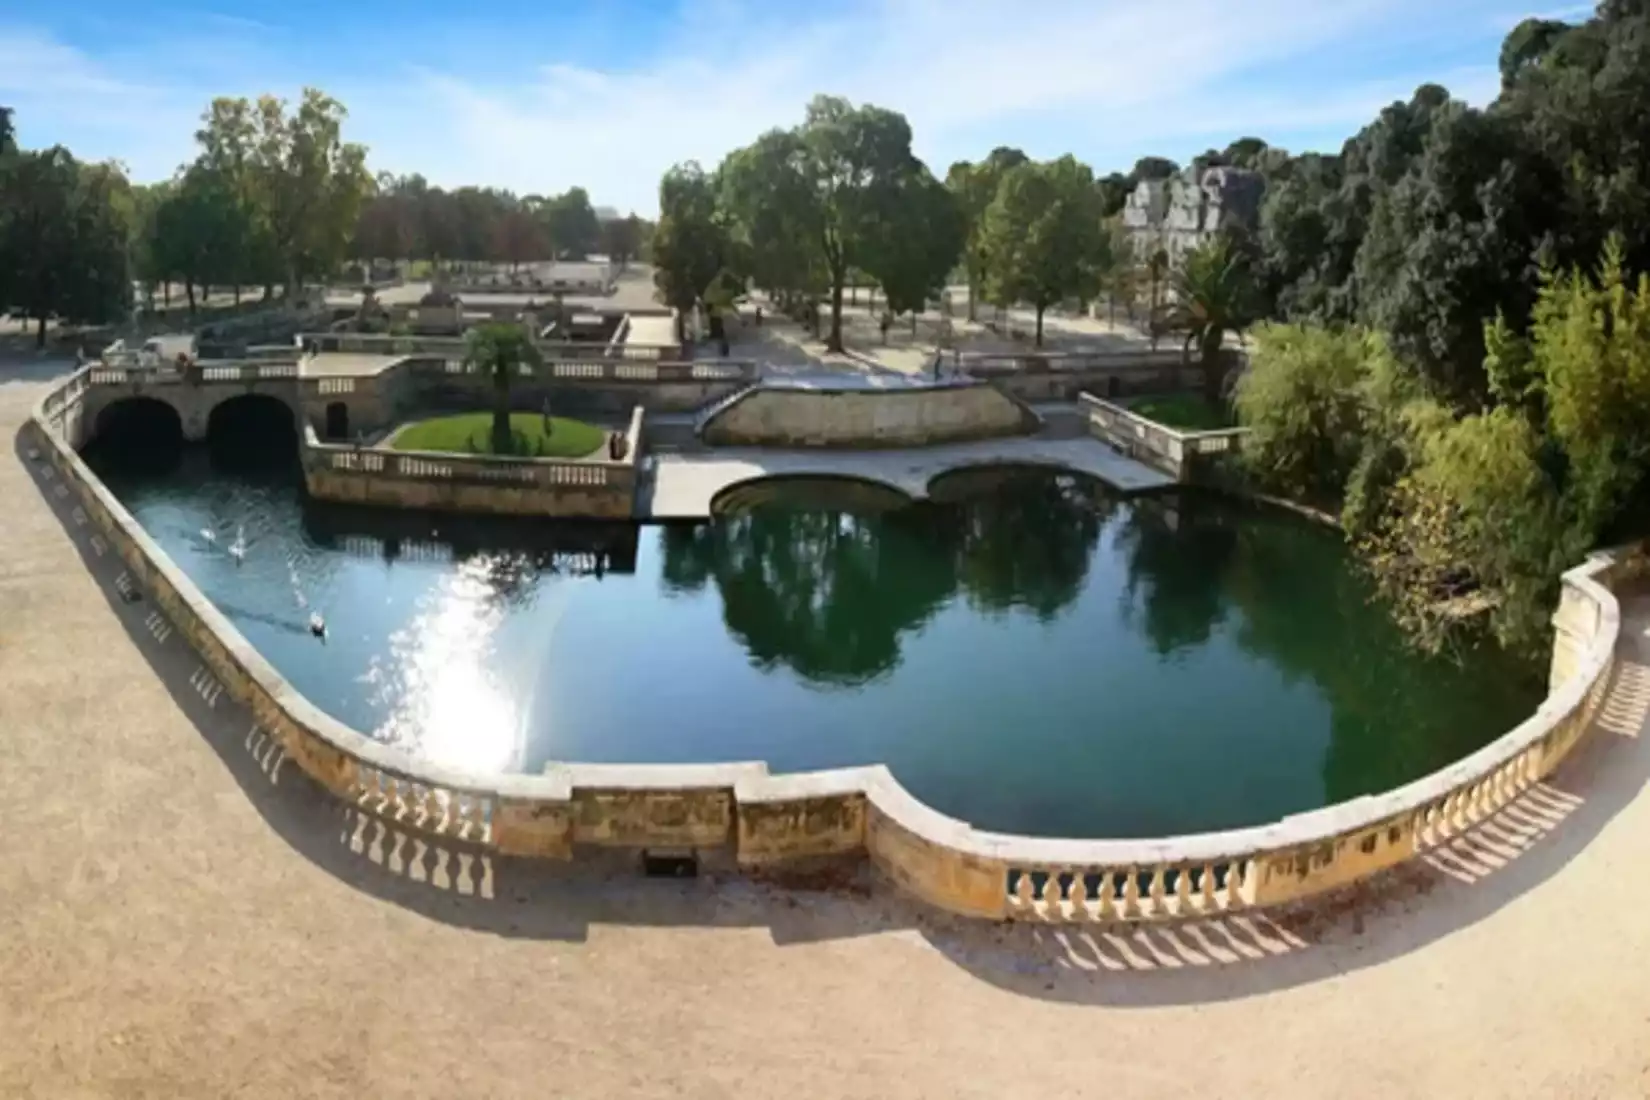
<point>441,689</point>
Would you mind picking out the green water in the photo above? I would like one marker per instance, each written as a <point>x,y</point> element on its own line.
<point>1028,651</point>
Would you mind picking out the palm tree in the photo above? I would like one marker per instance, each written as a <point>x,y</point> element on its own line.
<point>1214,295</point>
<point>501,349</point>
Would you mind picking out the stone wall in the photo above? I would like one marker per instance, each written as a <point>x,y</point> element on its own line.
<point>793,416</point>
<point>1185,456</point>
<point>775,822</point>
<point>433,481</point>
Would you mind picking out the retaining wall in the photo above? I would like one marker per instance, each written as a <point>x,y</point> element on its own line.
<point>914,416</point>
<point>863,813</point>
<point>438,481</point>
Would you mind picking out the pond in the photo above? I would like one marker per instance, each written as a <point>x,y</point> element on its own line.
<point>1027,651</point>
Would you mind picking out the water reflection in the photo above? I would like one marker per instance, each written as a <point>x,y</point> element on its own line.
<point>1179,549</point>
<point>826,577</point>
<point>1023,650</point>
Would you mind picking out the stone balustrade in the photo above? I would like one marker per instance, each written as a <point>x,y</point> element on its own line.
<point>589,488</point>
<point>1174,452</point>
<point>118,370</point>
<point>771,822</point>
<point>367,343</point>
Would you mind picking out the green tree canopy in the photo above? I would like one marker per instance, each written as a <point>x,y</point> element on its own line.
<point>1043,236</point>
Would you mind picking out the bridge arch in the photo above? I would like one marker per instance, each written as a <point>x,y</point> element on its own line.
<point>245,417</point>
<point>873,493</point>
<point>139,419</point>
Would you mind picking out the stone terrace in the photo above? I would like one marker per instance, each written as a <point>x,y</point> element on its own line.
<point>187,917</point>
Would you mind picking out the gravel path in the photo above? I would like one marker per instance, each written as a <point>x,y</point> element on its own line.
<point>184,916</point>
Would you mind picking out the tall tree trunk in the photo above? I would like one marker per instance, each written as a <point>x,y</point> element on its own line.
<point>502,443</point>
<point>1213,364</point>
<point>1039,341</point>
<point>40,330</point>
<point>973,279</point>
<point>189,288</point>
<point>237,292</point>
<point>166,293</point>
<point>833,342</point>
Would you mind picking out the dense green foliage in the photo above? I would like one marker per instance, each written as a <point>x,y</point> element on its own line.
<point>63,236</point>
<point>1468,375</point>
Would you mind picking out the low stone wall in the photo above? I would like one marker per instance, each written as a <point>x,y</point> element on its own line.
<point>773,822</point>
<point>771,415</point>
<point>437,481</point>
<point>1182,455</point>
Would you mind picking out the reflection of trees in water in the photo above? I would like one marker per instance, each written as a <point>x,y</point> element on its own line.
<point>1179,549</point>
<point>1024,538</point>
<point>829,592</point>
<point>826,593</point>
<point>1302,607</point>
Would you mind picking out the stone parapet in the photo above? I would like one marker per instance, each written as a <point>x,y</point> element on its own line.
<point>769,822</point>
<point>789,415</point>
<point>1178,454</point>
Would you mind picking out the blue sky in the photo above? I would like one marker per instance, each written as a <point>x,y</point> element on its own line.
<point>539,95</point>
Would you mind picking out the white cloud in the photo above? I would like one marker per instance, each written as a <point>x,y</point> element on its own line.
<point>1108,79</point>
<point>967,73</point>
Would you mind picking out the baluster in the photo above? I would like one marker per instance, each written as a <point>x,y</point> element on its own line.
<point>1155,892</point>
<point>1051,896</point>
<point>1182,891</point>
<point>1234,884</point>
<point>1105,905</point>
<point>1131,894</point>
<point>1022,893</point>
<point>1206,887</point>
<point>1078,895</point>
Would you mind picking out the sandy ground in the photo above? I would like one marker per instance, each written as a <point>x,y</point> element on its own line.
<point>185,916</point>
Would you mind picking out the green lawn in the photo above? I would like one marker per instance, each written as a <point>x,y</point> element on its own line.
<point>472,433</point>
<point>1187,412</point>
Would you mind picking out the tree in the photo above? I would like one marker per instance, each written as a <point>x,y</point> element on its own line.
<point>856,159</point>
<point>520,238</point>
<point>1526,45</point>
<point>199,230</point>
<point>571,222</point>
<point>975,186</point>
<point>8,132</point>
<point>501,349</point>
<point>1042,236</point>
<point>918,245</point>
<point>1153,168</point>
<point>64,240</point>
<point>622,240</point>
<point>1300,401</point>
<point>1214,295</point>
<point>772,202</point>
<point>305,183</point>
<point>692,245</point>
<point>1453,240</point>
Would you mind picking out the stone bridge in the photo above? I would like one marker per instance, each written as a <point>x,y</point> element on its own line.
<point>685,486</point>
<point>194,400</point>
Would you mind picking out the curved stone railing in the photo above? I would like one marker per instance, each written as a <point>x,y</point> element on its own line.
<point>785,820</point>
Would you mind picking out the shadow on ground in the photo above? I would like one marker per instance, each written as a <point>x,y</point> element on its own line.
<point>465,886</point>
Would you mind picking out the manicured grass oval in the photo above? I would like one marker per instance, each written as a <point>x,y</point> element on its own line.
<point>531,435</point>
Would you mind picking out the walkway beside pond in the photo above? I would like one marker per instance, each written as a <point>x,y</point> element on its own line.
<point>186,916</point>
<point>685,485</point>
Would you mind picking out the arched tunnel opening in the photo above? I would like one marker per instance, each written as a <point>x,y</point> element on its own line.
<point>139,435</point>
<point>253,433</point>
